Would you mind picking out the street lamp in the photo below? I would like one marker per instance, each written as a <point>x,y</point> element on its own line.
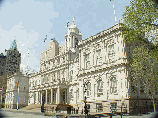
<point>42,107</point>
<point>85,107</point>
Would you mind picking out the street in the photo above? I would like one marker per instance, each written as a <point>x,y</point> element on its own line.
<point>9,114</point>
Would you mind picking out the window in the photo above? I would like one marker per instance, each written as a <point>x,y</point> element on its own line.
<point>111,53</point>
<point>88,107</point>
<point>58,75</point>
<point>71,94</point>
<point>99,107</point>
<point>99,57</point>
<point>45,78</point>
<point>113,87</point>
<point>76,42</point>
<point>99,88</point>
<point>88,89</point>
<point>113,107</point>
<point>87,60</point>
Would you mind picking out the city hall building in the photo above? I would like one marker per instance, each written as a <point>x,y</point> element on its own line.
<point>96,67</point>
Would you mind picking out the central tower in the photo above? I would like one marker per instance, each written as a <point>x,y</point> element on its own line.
<point>72,37</point>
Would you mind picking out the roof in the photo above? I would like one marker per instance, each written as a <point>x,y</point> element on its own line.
<point>72,26</point>
<point>13,45</point>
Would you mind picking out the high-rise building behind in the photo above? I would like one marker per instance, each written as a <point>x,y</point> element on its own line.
<point>10,62</point>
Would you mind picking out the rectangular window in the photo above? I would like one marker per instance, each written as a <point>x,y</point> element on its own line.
<point>111,53</point>
<point>113,106</point>
<point>87,60</point>
<point>100,88</point>
<point>99,107</point>
<point>99,57</point>
<point>113,87</point>
<point>88,89</point>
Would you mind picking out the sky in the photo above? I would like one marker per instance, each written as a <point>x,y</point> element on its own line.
<point>29,21</point>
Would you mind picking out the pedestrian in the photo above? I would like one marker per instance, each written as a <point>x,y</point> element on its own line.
<point>82,111</point>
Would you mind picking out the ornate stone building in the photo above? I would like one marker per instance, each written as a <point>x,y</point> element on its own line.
<point>97,64</point>
<point>12,95</point>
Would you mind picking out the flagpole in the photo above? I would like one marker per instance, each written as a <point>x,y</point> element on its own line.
<point>114,11</point>
<point>1,97</point>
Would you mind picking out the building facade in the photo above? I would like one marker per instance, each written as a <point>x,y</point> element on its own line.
<point>10,62</point>
<point>96,67</point>
<point>13,95</point>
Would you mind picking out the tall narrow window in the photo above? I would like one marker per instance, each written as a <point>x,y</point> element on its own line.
<point>87,60</point>
<point>99,57</point>
<point>111,53</point>
<point>113,87</point>
<point>99,88</point>
<point>88,89</point>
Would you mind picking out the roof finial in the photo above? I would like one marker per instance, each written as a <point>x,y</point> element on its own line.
<point>73,20</point>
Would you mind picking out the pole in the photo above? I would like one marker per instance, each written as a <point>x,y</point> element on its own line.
<point>114,12</point>
<point>18,96</point>
<point>1,97</point>
<point>121,110</point>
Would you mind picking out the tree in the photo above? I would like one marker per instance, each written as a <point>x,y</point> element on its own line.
<point>144,69</point>
<point>139,19</point>
<point>140,31</point>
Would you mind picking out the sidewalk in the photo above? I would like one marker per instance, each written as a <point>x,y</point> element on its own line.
<point>33,111</point>
<point>38,112</point>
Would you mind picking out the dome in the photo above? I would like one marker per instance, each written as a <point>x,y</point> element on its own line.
<point>73,26</point>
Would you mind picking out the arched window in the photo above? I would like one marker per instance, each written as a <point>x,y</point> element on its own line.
<point>88,89</point>
<point>99,88</point>
<point>113,85</point>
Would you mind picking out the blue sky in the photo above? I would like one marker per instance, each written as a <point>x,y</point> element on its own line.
<point>29,21</point>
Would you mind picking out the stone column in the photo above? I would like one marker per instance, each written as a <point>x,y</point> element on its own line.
<point>51,95</point>
<point>41,97</point>
<point>73,41</point>
<point>67,95</point>
<point>37,97</point>
<point>79,60</point>
<point>46,96</point>
<point>33,97</point>
<point>65,44</point>
<point>58,94</point>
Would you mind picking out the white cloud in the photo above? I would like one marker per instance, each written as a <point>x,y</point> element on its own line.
<point>22,44</point>
<point>23,56</point>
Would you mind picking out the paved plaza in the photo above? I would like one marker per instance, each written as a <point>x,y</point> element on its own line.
<point>22,113</point>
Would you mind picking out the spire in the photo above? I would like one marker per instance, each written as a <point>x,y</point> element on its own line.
<point>13,45</point>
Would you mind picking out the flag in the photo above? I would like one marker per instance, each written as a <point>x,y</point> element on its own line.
<point>67,25</point>
<point>16,83</point>
<point>45,38</point>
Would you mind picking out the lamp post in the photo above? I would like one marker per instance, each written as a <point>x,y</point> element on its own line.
<point>121,108</point>
<point>85,107</point>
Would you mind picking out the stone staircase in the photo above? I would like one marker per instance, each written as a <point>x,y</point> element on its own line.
<point>32,106</point>
<point>55,108</point>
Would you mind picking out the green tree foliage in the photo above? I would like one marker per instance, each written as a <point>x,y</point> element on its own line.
<point>140,30</point>
<point>139,19</point>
